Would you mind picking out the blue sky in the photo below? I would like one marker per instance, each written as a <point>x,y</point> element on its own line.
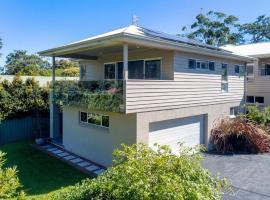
<point>35,25</point>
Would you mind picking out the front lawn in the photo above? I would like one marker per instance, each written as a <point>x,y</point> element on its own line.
<point>39,173</point>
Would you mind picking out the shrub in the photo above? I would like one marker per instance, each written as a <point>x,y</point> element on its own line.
<point>141,173</point>
<point>9,181</point>
<point>260,116</point>
<point>72,71</point>
<point>239,135</point>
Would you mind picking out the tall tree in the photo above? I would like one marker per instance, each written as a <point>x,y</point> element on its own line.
<point>1,45</point>
<point>214,28</point>
<point>20,61</point>
<point>259,30</point>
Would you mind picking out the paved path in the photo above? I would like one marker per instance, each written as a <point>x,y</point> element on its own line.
<point>74,160</point>
<point>249,174</point>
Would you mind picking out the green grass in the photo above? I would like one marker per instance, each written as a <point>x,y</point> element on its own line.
<point>39,173</point>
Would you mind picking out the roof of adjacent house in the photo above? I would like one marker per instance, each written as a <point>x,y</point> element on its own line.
<point>137,32</point>
<point>258,50</point>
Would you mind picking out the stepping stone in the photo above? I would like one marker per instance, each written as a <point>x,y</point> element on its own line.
<point>92,168</point>
<point>47,146</point>
<point>76,160</point>
<point>52,149</point>
<point>70,157</point>
<point>84,164</point>
<point>100,171</point>
<point>63,154</point>
<point>57,151</point>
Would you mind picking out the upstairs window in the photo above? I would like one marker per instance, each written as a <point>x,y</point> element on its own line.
<point>152,69</point>
<point>211,66</point>
<point>201,64</point>
<point>192,64</point>
<point>264,69</point>
<point>109,71</point>
<point>239,69</point>
<point>250,71</point>
<point>224,77</point>
<point>135,69</point>
<point>120,72</point>
<point>83,72</point>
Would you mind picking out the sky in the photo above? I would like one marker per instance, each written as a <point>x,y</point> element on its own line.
<point>36,25</point>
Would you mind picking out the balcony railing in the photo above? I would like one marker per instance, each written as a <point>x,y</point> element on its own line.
<point>99,95</point>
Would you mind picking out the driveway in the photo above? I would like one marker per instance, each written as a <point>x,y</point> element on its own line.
<point>249,174</point>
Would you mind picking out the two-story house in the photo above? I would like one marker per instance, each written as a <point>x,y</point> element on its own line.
<point>139,85</point>
<point>258,71</point>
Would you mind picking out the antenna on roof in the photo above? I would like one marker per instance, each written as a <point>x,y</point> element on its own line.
<point>135,20</point>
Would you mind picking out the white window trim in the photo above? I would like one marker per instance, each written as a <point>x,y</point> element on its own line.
<point>201,60</point>
<point>145,59</point>
<point>89,124</point>
<point>115,70</point>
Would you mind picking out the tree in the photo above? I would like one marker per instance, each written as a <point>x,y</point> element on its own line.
<point>259,30</point>
<point>65,63</point>
<point>20,61</point>
<point>214,28</point>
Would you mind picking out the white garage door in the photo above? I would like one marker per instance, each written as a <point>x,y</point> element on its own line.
<point>188,130</point>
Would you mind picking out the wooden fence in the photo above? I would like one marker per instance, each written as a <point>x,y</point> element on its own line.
<point>13,130</point>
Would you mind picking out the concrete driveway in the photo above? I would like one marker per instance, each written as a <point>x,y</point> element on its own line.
<point>249,174</point>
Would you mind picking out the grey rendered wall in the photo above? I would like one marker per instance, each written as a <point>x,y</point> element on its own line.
<point>211,113</point>
<point>97,143</point>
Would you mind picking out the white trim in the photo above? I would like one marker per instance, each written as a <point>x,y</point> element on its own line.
<point>87,123</point>
<point>201,60</point>
<point>115,71</point>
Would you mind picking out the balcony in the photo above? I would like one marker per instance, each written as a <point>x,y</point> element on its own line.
<point>104,95</point>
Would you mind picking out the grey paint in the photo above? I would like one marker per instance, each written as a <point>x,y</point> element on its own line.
<point>97,143</point>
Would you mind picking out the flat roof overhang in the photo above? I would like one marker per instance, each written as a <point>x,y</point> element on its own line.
<point>81,50</point>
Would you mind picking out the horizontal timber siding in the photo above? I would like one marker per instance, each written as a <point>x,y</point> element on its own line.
<point>189,88</point>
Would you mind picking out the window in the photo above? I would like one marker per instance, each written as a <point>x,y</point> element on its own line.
<point>152,69</point>
<point>259,99</point>
<point>135,69</point>
<point>94,119</point>
<point>83,72</point>
<point>212,66</point>
<point>224,72</point>
<point>264,69</point>
<point>120,72</point>
<point>237,69</point>
<point>201,64</point>
<point>234,111</point>
<point>250,72</point>
<point>255,99</point>
<point>109,71</point>
<point>224,77</point>
<point>192,63</point>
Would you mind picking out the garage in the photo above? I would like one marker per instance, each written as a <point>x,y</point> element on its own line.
<point>189,130</point>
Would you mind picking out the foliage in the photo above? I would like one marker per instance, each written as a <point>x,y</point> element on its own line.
<point>239,135</point>
<point>40,174</point>
<point>20,61</point>
<point>20,98</point>
<point>214,28</point>
<point>100,95</point>
<point>142,173</point>
<point>64,64</point>
<point>72,71</point>
<point>258,115</point>
<point>259,30</point>
<point>9,181</point>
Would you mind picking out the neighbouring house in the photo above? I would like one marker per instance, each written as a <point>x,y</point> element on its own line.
<point>140,85</point>
<point>258,71</point>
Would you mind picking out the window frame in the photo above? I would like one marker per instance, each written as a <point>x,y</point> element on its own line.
<point>227,78</point>
<point>200,61</point>
<point>92,124</point>
<point>254,99</point>
<point>115,70</point>
<point>138,59</point>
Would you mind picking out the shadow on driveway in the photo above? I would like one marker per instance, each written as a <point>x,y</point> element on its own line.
<point>249,174</point>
